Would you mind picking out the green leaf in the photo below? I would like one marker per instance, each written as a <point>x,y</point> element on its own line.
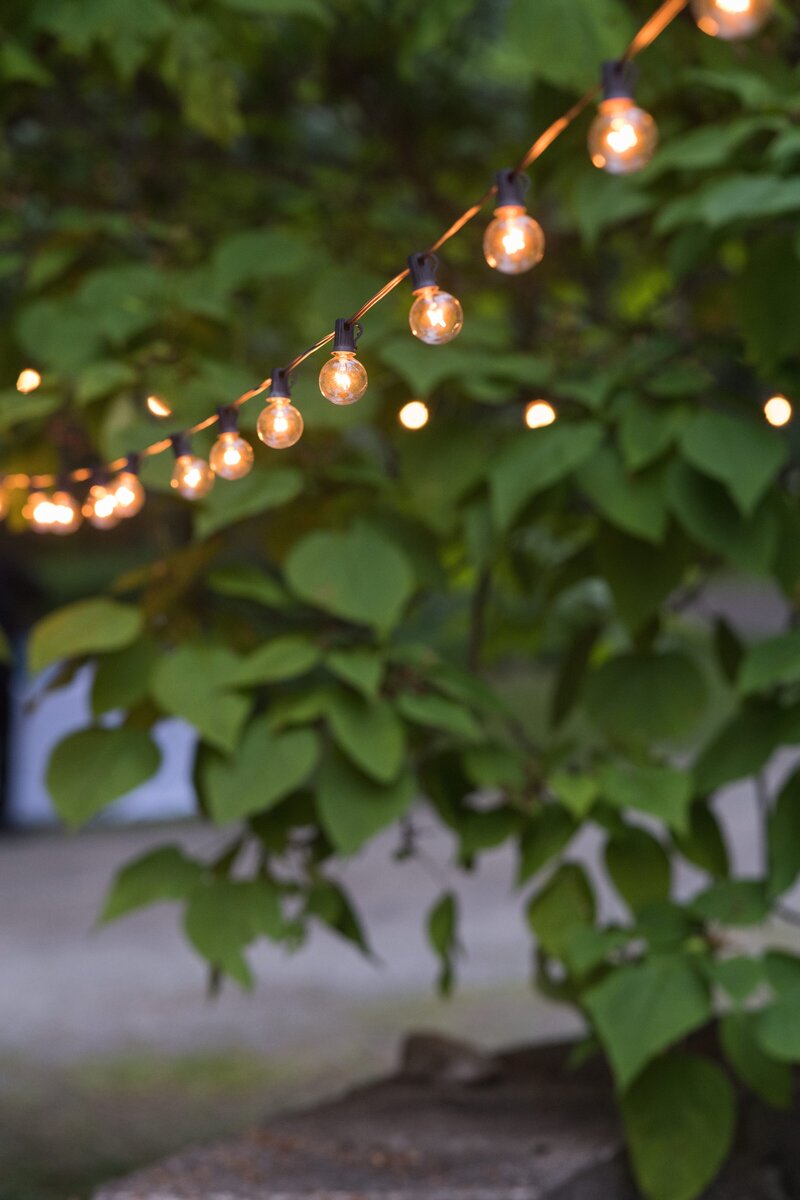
<point>353,808</point>
<point>370,734</point>
<point>437,712</point>
<point>577,791</point>
<point>362,669</point>
<point>770,663</point>
<point>259,492</point>
<point>680,1118</point>
<point>742,747</point>
<point>639,868</point>
<point>330,904</point>
<point>634,503</point>
<point>357,575</point>
<point>87,627</point>
<point>561,46</point>
<point>713,521</point>
<point>90,769</point>
<point>443,935</point>
<point>639,1011</point>
<point>528,466</point>
<point>641,576</point>
<point>224,916</point>
<point>777,1028</point>
<point>122,677</point>
<point>783,838</point>
<point>702,843</point>
<point>265,768</point>
<point>769,301</point>
<point>739,977</point>
<point>282,658</point>
<point>640,698</point>
<point>195,682</point>
<point>745,456</point>
<point>564,903</point>
<point>663,792</point>
<point>250,583</point>
<point>548,833</point>
<point>735,198</point>
<point>733,902</point>
<point>162,874</point>
<point>770,1080</point>
<point>783,971</point>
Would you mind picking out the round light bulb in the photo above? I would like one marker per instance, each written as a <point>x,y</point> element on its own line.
<point>539,414</point>
<point>513,241</point>
<point>778,411</point>
<point>280,424</point>
<point>192,476</point>
<point>100,507</point>
<point>128,493</point>
<point>436,317</point>
<point>158,407</point>
<point>731,19</point>
<point>343,379</point>
<point>231,456</point>
<point>414,415</point>
<point>65,513</point>
<point>38,512</point>
<point>28,381</point>
<point>622,138</point>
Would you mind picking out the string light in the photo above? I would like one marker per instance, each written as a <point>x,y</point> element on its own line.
<point>414,415</point>
<point>778,411</point>
<point>343,379</point>
<point>192,477</point>
<point>436,317</point>
<point>127,488</point>
<point>622,137</point>
<point>513,241</point>
<point>231,455</point>
<point>28,381</point>
<point>100,506</point>
<point>731,19</point>
<point>539,414</point>
<point>158,407</point>
<point>280,424</point>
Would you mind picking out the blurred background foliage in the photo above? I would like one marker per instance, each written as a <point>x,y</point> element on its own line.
<point>507,622</point>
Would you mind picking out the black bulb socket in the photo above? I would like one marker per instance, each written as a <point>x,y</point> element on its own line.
<point>422,269</point>
<point>180,445</point>
<point>228,418</point>
<point>346,334</point>
<point>280,389</point>
<point>511,188</point>
<point>619,80</point>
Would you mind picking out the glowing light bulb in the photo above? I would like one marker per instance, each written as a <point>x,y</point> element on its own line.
<point>436,317</point>
<point>539,414</point>
<point>65,513</point>
<point>343,379</point>
<point>128,491</point>
<point>513,241</point>
<point>38,512</point>
<point>100,507</point>
<point>158,407</point>
<point>731,19</point>
<point>231,456</point>
<point>192,477</point>
<point>414,415</point>
<point>778,411</point>
<point>28,381</point>
<point>622,137</point>
<point>280,424</point>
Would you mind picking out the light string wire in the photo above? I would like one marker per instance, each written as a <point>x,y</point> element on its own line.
<point>652,29</point>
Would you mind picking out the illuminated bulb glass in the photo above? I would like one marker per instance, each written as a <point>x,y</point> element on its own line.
<point>414,415</point>
<point>158,407</point>
<point>778,411</point>
<point>538,414</point>
<point>436,317</point>
<point>280,424</point>
<point>513,241</point>
<point>38,512</point>
<point>192,477</point>
<point>343,379</point>
<point>731,19</point>
<point>100,507</point>
<point>622,138</point>
<point>28,381</point>
<point>128,493</point>
<point>65,513</point>
<point>231,456</point>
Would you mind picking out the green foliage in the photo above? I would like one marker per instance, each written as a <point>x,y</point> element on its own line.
<point>513,628</point>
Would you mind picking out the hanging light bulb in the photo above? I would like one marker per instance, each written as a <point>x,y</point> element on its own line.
<point>231,456</point>
<point>513,241</point>
<point>38,512</point>
<point>436,317</point>
<point>100,505</point>
<point>623,137</point>
<point>778,411</point>
<point>539,414</point>
<point>731,19</point>
<point>127,489</point>
<point>28,380</point>
<point>343,379</point>
<point>158,407</point>
<point>192,477</point>
<point>414,415</point>
<point>280,424</point>
<point>65,512</point>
